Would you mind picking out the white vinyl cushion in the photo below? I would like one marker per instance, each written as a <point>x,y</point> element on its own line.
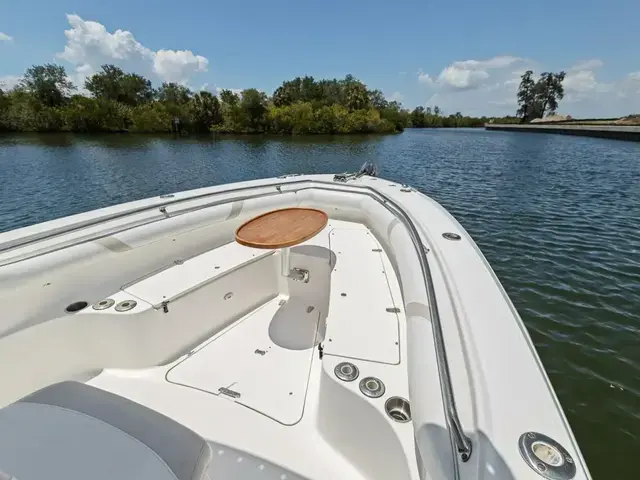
<point>39,442</point>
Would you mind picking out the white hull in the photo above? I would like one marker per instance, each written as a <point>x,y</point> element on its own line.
<point>225,345</point>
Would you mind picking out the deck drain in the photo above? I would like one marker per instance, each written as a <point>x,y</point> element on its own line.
<point>104,304</point>
<point>76,307</point>
<point>125,305</point>
<point>347,372</point>
<point>372,387</point>
<point>398,409</point>
<point>451,236</point>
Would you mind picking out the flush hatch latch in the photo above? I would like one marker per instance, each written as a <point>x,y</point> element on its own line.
<point>229,393</point>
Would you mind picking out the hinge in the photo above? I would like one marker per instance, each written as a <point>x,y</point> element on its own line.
<point>165,306</point>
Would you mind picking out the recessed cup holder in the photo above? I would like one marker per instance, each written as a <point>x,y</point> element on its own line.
<point>76,307</point>
<point>398,409</point>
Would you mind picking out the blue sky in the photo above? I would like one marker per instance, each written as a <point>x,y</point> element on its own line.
<point>463,56</point>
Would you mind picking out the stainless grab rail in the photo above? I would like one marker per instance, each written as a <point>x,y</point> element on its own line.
<point>461,440</point>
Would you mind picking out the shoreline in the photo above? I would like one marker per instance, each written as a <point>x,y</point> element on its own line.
<point>628,133</point>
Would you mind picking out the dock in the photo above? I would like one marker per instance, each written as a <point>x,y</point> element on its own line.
<point>617,132</point>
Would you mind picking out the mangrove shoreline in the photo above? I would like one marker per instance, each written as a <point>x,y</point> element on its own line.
<point>45,100</point>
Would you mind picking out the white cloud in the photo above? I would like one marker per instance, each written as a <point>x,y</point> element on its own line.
<point>592,64</point>
<point>7,82</point>
<point>495,62</point>
<point>468,74</point>
<point>178,66</point>
<point>489,87</point>
<point>424,78</point>
<point>630,87</point>
<point>510,102</point>
<point>90,45</point>
<point>580,81</point>
<point>207,87</point>
<point>5,38</point>
<point>396,97</point>
<point>462,78</point>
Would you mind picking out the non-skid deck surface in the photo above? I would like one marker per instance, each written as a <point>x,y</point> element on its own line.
<point>361,323</point>
<point>263,362</point>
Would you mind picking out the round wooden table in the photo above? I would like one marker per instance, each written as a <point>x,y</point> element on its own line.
<point>282,228</point>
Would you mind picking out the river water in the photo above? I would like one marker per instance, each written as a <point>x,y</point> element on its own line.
<point>557,217</point>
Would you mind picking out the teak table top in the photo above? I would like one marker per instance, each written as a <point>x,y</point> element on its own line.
<point>281,228</point>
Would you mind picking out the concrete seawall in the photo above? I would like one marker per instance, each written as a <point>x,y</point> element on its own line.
<point>617,132</point>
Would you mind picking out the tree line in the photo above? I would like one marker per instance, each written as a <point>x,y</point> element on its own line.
<point>45,100</point>
<point>428,117</point>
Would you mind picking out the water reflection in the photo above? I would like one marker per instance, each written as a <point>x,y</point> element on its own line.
<point>556,216</point>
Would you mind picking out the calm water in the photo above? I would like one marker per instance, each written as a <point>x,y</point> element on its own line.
<point>558,218</point>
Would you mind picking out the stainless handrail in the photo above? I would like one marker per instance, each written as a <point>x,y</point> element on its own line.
<point>461,440</point>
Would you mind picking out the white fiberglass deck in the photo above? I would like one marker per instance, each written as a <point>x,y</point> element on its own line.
<point>254,388</point>
<point>214,337</point>
<point>245,364</point>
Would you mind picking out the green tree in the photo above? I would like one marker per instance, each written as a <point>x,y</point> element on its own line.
<point>228,97</point>
<point>233,115</point>
<point>174,93</point>
<point>295,119</point>
<point>331,119</point>
<point>418,117</point>
<point>526,96</point>
<point>394,113</point>
<point>48,84</point>
<point>356,95</point>
<point>284,95</point>
<point>548,91</point>
<point>205,111</point>
<point>151,118</point>
<point>537,98</point>
<point>377,100</point>
<point>114,84</point>
<point>176,99</point>
<point>254,104</point>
